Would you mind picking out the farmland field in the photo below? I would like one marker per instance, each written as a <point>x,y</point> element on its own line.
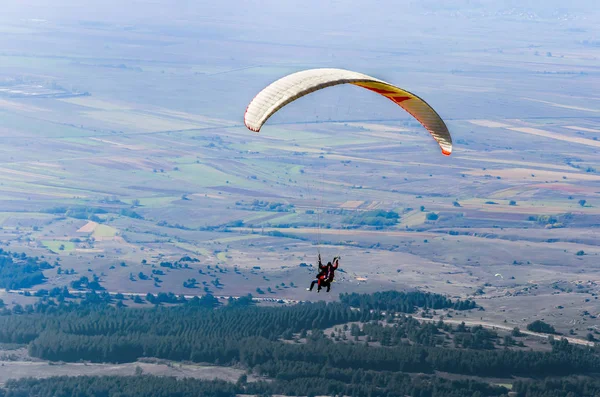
<point>123,149</point>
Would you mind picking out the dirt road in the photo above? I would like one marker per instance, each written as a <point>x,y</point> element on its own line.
<point>508,328</point>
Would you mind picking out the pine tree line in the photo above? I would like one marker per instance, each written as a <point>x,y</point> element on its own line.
<point>251,336</point>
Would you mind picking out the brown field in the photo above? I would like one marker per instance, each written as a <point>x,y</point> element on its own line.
<point>97,103</point>
<point>559,105</point>
<point>532,174</point>
<point>198,118</point>
<point>208,196</point>
<point>351,204</point>
<point>373,205</point>
<point>44,165</point>
<point>380,128</point>
<point>573,127</point>
<point>120,145</point>
<point>532,188</point>
<point>517,163</point>
<point>88,250</point>
<point>11,105</point>
<point>88,227</point>
<point>554,135</point>
<point>499,215</point>
<point>24,174</point>
<point>345,232</point>
<point>489,123</point>
<point>124,163</point>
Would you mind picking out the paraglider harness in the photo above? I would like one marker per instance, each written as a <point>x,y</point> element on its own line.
<point>326,274</point>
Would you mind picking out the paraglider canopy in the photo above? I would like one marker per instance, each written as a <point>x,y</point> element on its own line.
<point>296,85</point>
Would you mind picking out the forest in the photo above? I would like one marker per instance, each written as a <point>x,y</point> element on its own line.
<point>367,383</point>
<point>351,347</point>
<point>20,270</point>
<point>112,386</point>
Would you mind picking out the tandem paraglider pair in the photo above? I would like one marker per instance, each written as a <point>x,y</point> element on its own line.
<point>296,85</point>
<point>326,274</point>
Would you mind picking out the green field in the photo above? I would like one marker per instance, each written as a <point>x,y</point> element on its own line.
<point>153,202</point>
<point>232,239</point>
<point>192,248</point>
<point>202,175</point>
<point>58,246</point>
<point>19,216</point>
<point>104,231</point>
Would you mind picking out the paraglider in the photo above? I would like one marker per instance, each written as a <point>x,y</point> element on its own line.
<point>296,85</point>
<point>499,275</point>
<point>326,274</point>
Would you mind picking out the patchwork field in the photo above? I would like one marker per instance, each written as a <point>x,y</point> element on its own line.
<point>126,158</point>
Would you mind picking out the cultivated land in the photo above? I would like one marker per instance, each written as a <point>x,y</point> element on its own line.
<point>152,139</point>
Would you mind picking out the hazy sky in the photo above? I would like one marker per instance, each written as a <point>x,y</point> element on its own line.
<point>439,35</point>
<point>381,15</point>
<point>343,24</point>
